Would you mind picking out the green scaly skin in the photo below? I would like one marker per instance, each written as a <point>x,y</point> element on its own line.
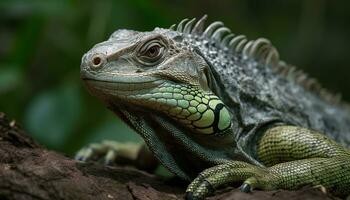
<point>293,156</point>
<point>211,110</point>
<point>190,106</point>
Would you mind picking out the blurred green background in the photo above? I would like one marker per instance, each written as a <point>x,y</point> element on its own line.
<point>41,44</point>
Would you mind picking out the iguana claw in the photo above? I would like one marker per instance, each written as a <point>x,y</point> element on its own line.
<point>189,196</point>
<point>245,188</point>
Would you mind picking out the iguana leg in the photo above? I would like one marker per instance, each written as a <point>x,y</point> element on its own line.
<point>214,177</point>
<point>111,151</point>
<point>294,157</point>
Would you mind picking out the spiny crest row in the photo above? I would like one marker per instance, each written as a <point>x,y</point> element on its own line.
<point>261,50</point>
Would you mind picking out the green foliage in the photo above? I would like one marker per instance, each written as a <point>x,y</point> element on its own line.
<point>52,115</point>
<point>42,42</point>
<point>106,130</point>
<point>9,79</point>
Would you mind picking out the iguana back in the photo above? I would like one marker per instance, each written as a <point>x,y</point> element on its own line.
<point>251,78</point>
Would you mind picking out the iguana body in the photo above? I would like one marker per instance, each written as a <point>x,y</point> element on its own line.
<point>202,98</point>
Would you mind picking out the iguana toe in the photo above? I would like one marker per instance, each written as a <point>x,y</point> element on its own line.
<point>108,152</point>
<point>84,154</point>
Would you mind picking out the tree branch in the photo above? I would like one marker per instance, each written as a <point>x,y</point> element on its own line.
<point>29,171</point>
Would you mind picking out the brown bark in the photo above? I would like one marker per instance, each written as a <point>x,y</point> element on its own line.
<point>29,171</point>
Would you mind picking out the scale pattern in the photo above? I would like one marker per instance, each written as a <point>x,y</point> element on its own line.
<point>199,110</point>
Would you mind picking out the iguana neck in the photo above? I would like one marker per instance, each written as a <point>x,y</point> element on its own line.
<point>170,143</point>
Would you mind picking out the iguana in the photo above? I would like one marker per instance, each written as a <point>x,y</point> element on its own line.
<point>216,108</point>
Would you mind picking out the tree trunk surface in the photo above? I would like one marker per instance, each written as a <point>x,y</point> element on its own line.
<point>29,171</point>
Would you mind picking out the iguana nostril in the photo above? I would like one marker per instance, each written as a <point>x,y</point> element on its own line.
<point>97,60</point>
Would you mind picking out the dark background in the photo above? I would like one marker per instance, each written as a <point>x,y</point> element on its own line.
<point>41,44</point>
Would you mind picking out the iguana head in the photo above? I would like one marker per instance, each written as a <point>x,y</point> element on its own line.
<point>158,72</point>
<point>161,78</point>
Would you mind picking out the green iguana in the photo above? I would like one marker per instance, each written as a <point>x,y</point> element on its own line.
<point>215,108</point>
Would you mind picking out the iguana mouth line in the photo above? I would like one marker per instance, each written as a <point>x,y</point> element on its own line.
<point>120,87</point>
<point>118,82</point>
<point>119,77</point>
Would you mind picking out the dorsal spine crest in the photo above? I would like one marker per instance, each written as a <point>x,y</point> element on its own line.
<point>260,50</point>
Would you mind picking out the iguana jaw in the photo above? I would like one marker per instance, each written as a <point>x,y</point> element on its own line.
<point>119,85</point>
<point>198,110</point>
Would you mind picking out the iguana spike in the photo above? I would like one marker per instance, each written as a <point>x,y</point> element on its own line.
<point>217,35</point>
<point>227,39</point>
<point>188,26</point>
<point>240,45</point>
<point>324,92</point>
<point>246,49</point>
<point>179,27</point>
<point>261,53</point>
<point>338,97</point>
<point>261,50</point>
<point>234,42</point>
<point>172,27</point>
<point>302,77</point>
<point>291,72</point>
<point>209,30</point>
<point>272,57</point>
<point>313,84</point>
<point>198,28</point>
<point>259,46</point>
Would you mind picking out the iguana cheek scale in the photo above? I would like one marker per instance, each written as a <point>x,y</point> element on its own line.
<point>215,108</point>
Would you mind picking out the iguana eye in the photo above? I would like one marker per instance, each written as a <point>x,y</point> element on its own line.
<point>151,53</point>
